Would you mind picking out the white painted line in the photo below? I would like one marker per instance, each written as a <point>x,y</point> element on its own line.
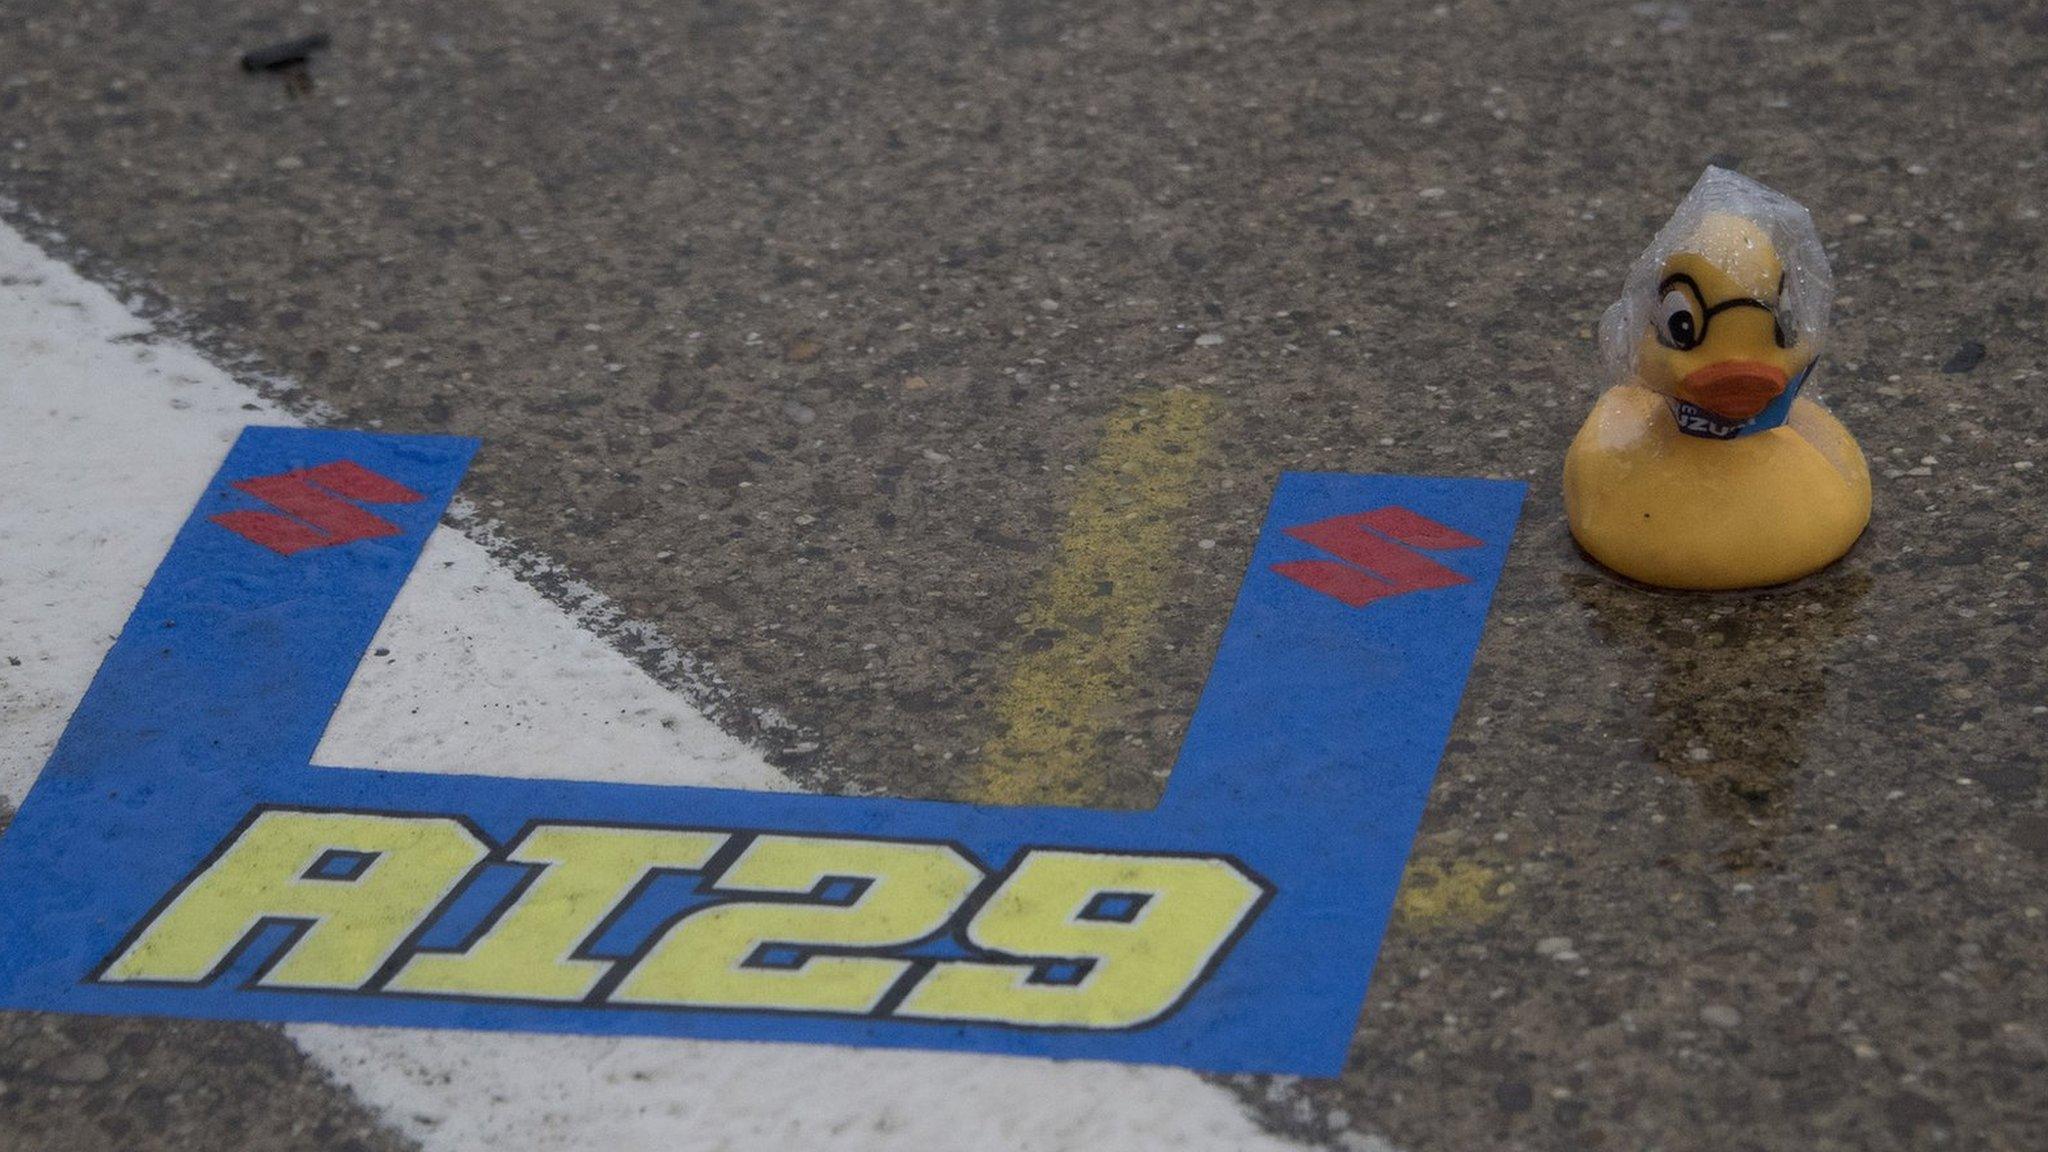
<point>481,674</point>
<point>106,440</point>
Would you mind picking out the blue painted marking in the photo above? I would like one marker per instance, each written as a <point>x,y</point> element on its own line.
<point>1309,760</point>
<point>340,865</point>
<point>778,956</point>
<point>1118,907</point>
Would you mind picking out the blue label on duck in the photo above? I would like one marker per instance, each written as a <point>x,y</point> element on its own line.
<point>1694,420</point>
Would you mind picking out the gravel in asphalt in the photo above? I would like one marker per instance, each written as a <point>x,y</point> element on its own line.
<point>793,327</point>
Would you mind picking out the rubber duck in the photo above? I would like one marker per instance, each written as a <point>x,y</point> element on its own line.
<point>1704,466</point>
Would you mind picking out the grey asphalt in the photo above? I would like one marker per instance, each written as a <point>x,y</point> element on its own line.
<point>845,288</point>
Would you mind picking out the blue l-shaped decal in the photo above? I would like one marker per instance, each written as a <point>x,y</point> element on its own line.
<point>181,855</point>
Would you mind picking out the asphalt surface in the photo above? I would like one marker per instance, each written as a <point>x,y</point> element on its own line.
<point>792,327</point>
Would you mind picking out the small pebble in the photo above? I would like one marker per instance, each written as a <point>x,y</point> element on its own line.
<point>1967,356</point>
<point>1208,340</point>
<point>1721,1016</point>
<point>1553,945</point>
<point>81,1068</point>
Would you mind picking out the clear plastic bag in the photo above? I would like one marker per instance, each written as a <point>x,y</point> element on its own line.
<point>1764,246</point>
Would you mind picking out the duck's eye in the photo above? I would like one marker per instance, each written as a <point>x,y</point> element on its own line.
<point>1679,320</point>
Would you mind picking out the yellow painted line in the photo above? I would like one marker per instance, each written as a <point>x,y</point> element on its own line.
<point>1447,893</point>
<point>1098,607</point>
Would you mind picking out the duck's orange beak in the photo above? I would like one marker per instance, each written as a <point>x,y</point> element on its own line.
<point>1733,389</point>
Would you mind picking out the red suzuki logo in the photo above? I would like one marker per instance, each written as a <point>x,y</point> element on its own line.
<point>314,509</point>
<point>1376,555</point>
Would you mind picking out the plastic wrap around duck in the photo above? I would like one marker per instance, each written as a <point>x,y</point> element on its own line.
<point>1709,464</point>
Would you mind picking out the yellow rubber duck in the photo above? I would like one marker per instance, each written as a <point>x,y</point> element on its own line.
<point>1704,468</point>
